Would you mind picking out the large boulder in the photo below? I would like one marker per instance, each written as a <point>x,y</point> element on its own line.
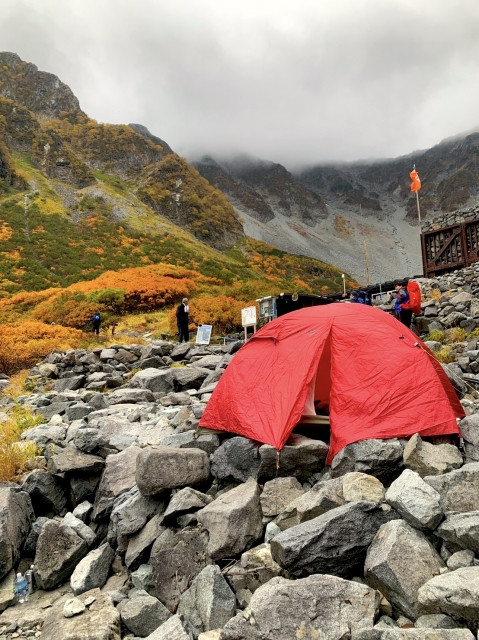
<point>92,571</point>
<point>99,621</point>
<point>321,606</point>
<point>233,520</point>
<point>155,380</point>
<point>459,489</point>
<point>131,511</point>
<point>118,477</point>
<point>456,594</point>
<point>48,493</point>
<point>172,629</point>
<point>335,542</point>
<point>323,497</point>
<point>160,468</point>
<point>16,519</point>
<point>184,501</point>
<point>130,396</point>
<point>71,460</point>
<point>255,569</point>
<point>139,545</point>
<point>185,378</point>
<point>209,603</point>
<point>415,500</point>
<point>461,531</point>
<point>278,493</point>
<point>431,459</point>
<point>238,459</point>
<point>59,550</point>
<point>177,557</point>
<point>469,428</point>
<point>142,614</point>
<point>399,561</point>
<point>379,458</point>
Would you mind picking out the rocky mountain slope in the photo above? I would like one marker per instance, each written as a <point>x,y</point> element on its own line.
<point>78,197</point>
<point>358,202</point>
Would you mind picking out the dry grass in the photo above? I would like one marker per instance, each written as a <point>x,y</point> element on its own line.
<point>444,355</point>
<point>457,334</point>
<point>14,454</point>
<point>435,294</point>
<point>17,384</point>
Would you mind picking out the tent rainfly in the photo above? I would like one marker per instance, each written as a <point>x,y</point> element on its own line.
<point>377,377</point>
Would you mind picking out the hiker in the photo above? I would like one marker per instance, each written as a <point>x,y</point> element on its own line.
<point>96,321</point>
<point>182,320</point>
<point>402,297</point>
<point>361,297</point>
<point>353,297</point>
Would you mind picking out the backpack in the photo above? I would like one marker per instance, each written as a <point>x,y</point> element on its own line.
<point>414,302</point>
<point>96,317</point>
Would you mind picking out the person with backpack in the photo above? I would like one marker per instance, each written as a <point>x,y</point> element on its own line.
<point>411,305</point>
<point>360,297</point>
<point>96,321</point>
<point>182,320</point>
<point>403,313</point>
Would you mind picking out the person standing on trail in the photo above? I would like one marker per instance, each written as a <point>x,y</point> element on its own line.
<point>96,321</point>
<point>182,320</point>
<point>403,315</point>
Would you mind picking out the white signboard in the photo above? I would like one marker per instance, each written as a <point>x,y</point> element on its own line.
<point>203,335</point>
<point>248,316</point>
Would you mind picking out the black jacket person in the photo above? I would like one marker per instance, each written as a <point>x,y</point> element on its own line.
<point>182,320</point>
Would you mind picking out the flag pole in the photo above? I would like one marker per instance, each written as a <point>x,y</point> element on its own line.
<point>417,201</point>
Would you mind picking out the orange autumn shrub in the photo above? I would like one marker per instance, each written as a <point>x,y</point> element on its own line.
<point>23,344</point>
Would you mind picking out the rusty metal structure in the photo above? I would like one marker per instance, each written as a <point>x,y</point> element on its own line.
<point>452,247</point>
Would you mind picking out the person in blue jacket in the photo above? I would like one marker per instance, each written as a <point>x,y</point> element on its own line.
<point>403,315</point>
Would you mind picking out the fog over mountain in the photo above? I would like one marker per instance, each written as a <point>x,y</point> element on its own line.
<point>294,82</point>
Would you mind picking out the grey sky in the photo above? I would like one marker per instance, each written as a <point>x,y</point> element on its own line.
<point>294,81</point>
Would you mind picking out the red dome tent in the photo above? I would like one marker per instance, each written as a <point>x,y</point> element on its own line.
<point>378,378</point>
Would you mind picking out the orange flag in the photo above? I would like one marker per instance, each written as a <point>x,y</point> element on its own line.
<point>416,183</point>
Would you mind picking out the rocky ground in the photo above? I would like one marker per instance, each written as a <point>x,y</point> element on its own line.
<point>139,527</point>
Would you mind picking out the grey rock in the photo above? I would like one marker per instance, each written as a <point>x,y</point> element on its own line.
<point>414,634</point>
<point>59,549</point>
<point>207,362</point>
<point>143,614</point>
<point>459,489</point>
<point>83,486</point>
<point>107,354</point>
<point>185,500</point>
<point>272,530</point>
<point>78,411</point>
<point>155,362</point>
<point>99,621</point>
<point>188,378</point>
<point>73,607</point>
<point>83,510</point>
<point>46,434</point>
<point>323,497</point>
<point>455,594</point>
<point>30,545</point>
<point>140,544</point>
<point>399,561</point>
<point>233,520</point>
<point>321,606</point>
<point>435,621</point>
<point>379,458</point>
<point>160,468</point>
<point>460,559</point>
<point>118,477</point>
<point>80,528</point>
<point>172,629</point>
<point>277,494</point>
<point>209,603</point>
<point>131,511</point>
<point>239,458</point>
<point>69,384</point>
<point>453,319</point>
<point>92,571</point>
<point>154,380</point>
<point>16,519</point>
<point>361,486</point>
<point>190,440</point>
<point>7,594</point>
<point>461,531</point>
<point>469,428</point>
<point>180,351</point>
<point>335,542</point>
<point>47,492</point>
<point>125,357</point>
<point>415,500</point>
<point>130,396</point>
<point>177,557</point>
<point>431,459</point>
<point>256,568</point>
<point>454,374</point>
<point>142,578</point>
<point>71,460</point>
